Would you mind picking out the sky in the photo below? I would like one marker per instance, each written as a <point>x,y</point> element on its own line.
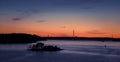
<point>88,18</point>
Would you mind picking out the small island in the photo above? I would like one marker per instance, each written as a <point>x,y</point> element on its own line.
<point>42,47</point>
<point>23,38</point>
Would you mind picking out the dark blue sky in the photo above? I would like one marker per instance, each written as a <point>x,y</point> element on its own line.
<point>94,6</point>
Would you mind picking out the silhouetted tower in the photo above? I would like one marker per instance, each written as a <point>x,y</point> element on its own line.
<point>73,33</point>
<point>112,36</point>
<point>48,35</point>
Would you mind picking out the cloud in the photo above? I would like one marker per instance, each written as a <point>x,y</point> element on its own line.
<point>63,27</point>
<point>95,32</point>
<point>41,21</point>
<point>35,11</point>
<point>89,0</point>
<point>28,11</point>
<point>73,3</point>
<point>16,19</point>
<point>90,4</point>
<point>88,7</point>
<point>25,13</point>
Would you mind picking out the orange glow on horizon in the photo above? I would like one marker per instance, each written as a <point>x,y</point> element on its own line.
<point>58,28</point>
<point>66,34</point>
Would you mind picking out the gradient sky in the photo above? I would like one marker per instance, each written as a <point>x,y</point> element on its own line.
<point>89,18</point>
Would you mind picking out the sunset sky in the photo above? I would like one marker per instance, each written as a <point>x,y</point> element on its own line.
<point>89,18</point>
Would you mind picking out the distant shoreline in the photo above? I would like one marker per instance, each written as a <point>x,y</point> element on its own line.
<point>18,38</point>
<point>84,38</point>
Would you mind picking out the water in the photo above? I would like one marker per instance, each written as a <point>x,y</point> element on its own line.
<point>74,51</point>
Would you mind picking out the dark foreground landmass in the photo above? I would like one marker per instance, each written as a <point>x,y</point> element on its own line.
<point>19,38</point>
<point>29,38</point>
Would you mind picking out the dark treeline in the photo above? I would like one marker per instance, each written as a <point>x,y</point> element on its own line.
<point>28,38</point>
<point>19,38</point>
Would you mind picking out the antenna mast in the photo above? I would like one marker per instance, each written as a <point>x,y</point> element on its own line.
<point>73,33</point>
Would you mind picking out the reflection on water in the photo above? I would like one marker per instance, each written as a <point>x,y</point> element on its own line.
<point>79,47</point>
<point>90,53</point>
<point>88,47</point>
<point>65,44</point>
<point>90,43</point>
<point>13,46</point>
<point>74,51</point>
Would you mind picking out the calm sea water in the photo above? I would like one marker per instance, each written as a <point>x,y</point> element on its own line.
<point>74,51</point>
<point>64,44</point>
